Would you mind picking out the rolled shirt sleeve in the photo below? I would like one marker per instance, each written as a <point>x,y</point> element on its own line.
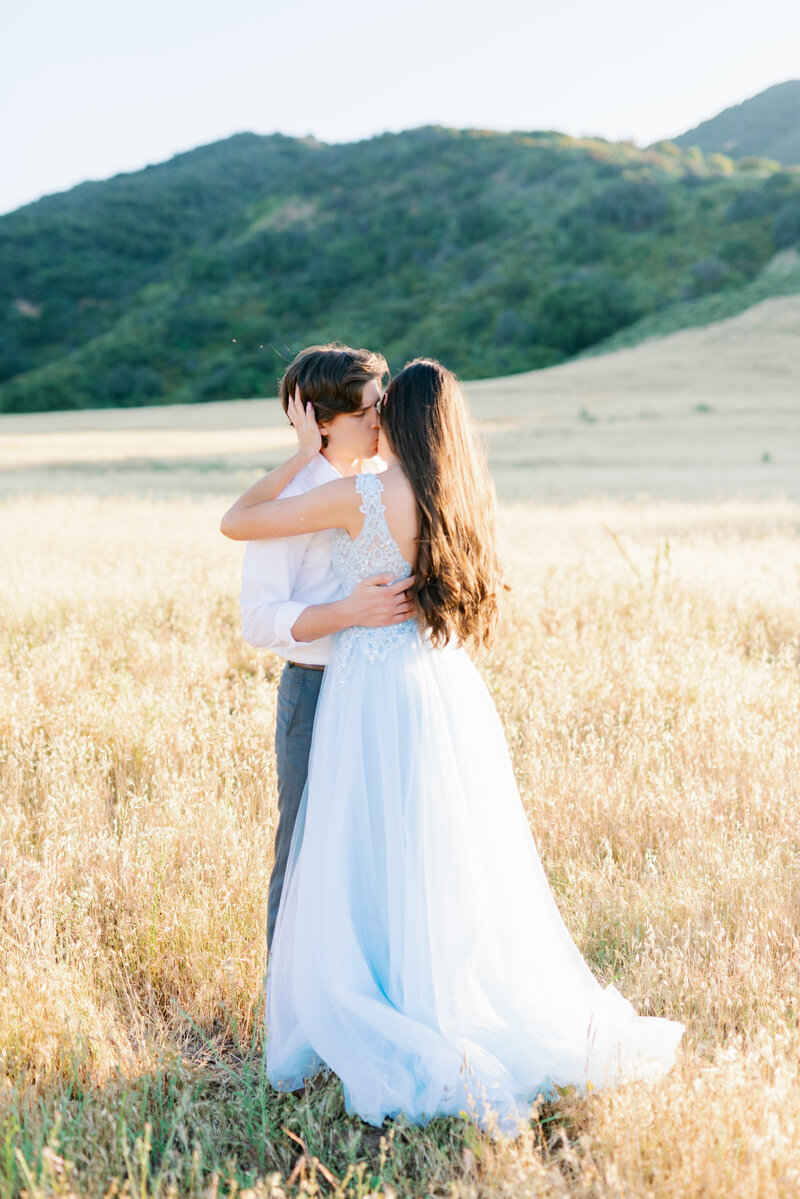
<point>285,618</point>
<point>269,571</point>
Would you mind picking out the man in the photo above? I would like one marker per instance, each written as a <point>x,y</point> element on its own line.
<point>291,600</point>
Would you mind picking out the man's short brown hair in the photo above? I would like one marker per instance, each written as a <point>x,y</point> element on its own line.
<point>332,378</point>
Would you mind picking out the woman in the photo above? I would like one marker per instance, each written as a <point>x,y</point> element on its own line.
<point>418,950</point>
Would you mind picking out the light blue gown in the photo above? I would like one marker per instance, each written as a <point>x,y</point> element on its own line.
<point>418,950</point>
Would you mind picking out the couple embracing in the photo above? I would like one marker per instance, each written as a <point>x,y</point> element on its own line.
<point>415,948</point>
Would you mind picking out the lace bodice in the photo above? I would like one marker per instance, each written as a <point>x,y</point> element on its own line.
<point>373,552</point>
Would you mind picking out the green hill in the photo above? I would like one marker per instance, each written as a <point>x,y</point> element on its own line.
<point>781,277</point>
<point>196,279</point>
<point>765,126</point>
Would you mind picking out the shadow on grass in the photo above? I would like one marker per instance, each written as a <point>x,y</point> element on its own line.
<point>192,1129</point>
<point>219,1128</point>
<point>204,1120</point>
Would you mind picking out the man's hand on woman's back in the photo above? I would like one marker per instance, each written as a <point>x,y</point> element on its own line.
<point>378,601</point>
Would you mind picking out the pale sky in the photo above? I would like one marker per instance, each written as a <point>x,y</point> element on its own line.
<point>89,88</point>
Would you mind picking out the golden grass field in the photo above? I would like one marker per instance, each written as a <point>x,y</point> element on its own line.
<point>646,673</point>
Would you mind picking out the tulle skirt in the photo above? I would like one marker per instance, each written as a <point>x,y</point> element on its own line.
<point>418,951</point>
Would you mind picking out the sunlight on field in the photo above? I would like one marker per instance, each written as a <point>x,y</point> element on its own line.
<point>647,678</point>
<point>79,446</point>
<point>702,414</point>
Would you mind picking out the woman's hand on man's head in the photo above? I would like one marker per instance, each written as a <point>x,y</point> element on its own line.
<point>301,416</point>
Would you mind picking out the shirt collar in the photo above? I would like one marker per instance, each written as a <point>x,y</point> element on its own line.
<point>322,471</point>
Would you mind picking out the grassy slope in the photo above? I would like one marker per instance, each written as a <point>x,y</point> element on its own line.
<point>764,126</point>
<point>780,279</point>
<point>702,412</point>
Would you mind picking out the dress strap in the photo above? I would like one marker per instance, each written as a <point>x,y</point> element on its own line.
<point>369,487</point>
<point>374,530</point>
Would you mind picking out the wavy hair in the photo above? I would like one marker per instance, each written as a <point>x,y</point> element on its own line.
<point>332,377</point>
<point>425,417</point>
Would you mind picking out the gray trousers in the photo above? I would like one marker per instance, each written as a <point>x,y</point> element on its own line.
<point>298,692</point>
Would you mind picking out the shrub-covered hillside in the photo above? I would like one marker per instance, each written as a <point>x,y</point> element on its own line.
<point>195,279</point>
<point>765,126</point>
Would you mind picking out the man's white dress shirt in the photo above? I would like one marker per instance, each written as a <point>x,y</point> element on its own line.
<point>283,577</point>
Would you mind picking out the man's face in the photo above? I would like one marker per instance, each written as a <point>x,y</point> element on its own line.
<point>355,434</point>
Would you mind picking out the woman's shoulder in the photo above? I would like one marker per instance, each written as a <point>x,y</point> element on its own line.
<point>399,502</point>
<point>394,482</point>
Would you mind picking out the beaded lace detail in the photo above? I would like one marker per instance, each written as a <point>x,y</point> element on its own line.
<point>373,552</point>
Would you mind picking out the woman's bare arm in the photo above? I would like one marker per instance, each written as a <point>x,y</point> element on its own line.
<point>309,443</point>
<point>332,506</point>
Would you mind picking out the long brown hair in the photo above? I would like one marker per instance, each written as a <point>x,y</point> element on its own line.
<point>425,417</point>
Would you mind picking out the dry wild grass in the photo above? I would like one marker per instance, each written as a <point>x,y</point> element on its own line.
<point>647,677</point>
